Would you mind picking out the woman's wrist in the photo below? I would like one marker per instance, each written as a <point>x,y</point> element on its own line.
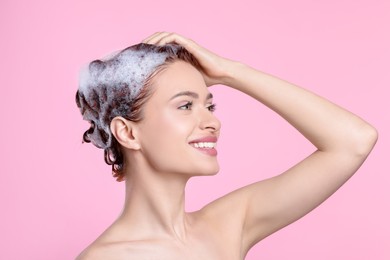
<point>229,74</point>
<point>233,70</point>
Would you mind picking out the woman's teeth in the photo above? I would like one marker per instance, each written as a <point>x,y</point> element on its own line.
<point>208,145</point>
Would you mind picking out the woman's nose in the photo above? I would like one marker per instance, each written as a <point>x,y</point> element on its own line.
<point>209,121</point>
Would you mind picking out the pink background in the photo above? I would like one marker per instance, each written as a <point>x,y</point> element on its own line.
<point>57,194</point>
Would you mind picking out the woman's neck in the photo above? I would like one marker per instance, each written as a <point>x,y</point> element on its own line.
<point>155,204</point>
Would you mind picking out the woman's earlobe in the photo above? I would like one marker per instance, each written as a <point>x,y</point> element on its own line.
<point>124,132</point>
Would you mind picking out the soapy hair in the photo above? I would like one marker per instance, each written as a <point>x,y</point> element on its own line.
<point>119,85</point>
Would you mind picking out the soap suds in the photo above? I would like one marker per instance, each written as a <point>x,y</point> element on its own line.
<point>109,86</point>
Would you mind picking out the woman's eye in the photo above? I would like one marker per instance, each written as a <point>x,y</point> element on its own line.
<point>212,107</point>
<point>186,106</point>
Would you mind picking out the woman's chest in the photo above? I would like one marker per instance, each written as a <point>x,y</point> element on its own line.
<point>207,247</point>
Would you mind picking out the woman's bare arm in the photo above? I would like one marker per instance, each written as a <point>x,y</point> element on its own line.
<point>343,141</point>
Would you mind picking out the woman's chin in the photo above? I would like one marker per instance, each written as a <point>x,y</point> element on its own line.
<point>209,171</point>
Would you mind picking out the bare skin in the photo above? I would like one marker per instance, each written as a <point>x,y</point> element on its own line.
<point>154,224</point>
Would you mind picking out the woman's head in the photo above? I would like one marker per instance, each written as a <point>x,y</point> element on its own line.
<point>119,86</point>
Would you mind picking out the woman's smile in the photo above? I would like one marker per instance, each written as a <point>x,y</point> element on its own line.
<point>206,145</point>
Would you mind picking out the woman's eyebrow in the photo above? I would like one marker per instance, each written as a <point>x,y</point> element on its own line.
<point>191,94</point>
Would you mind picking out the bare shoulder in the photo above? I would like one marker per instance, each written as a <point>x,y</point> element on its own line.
<point>98,251</point>
<point>229,207</point>
<point>138,249</point>
<point>226,214</point>
<point>107,251</point>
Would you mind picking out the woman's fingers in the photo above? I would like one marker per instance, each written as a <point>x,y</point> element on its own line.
<point>162,38</point>
<point>212,64</point>
<point>155,38</point>
<point>146,40</point>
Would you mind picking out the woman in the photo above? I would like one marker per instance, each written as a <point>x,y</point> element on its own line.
<point>173,137</point>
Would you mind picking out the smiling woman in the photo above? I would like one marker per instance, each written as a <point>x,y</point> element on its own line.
<point>150,109</point>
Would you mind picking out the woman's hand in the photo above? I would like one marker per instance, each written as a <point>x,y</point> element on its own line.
<point>214,68</point>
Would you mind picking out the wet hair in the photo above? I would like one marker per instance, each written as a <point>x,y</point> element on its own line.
<point>119,85</point>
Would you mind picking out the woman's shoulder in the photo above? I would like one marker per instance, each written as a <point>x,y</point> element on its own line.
<point>98,251</point>
<point>112,250</point>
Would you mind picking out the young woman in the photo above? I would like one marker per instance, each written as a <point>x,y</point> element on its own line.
<point>151,110</point>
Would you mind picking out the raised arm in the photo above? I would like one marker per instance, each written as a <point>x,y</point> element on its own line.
<point>343,142</point>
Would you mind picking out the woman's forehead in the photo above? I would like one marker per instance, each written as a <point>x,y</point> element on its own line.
<point>180,77</point>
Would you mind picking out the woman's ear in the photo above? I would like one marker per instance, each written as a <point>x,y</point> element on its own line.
<point>125,132</point>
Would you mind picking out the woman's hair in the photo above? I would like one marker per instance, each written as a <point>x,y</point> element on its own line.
<point>119,86</point>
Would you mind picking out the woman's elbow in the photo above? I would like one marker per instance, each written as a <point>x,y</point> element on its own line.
<point>365,140</point>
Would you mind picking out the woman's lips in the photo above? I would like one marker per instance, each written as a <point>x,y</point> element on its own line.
<point>205,145</point>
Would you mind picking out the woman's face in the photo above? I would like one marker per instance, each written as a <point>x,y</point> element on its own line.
<point>178,132</point>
